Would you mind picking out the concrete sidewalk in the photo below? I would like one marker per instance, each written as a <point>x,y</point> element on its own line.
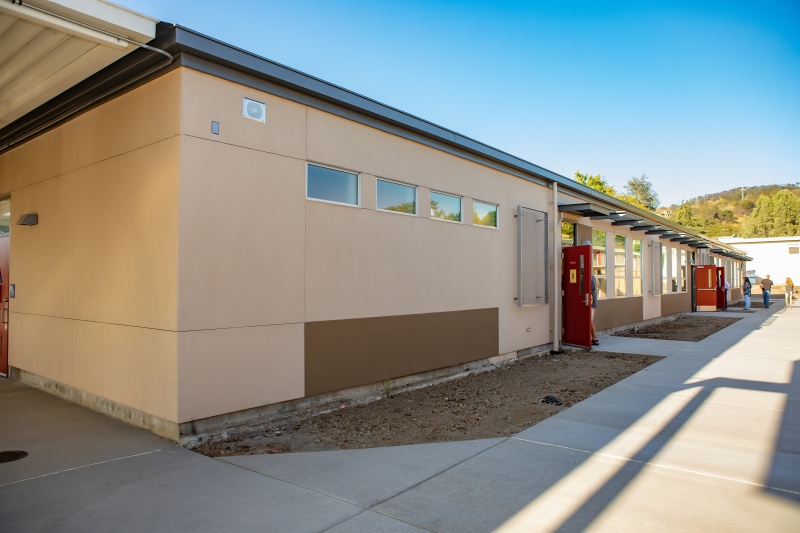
<point>706,440</point>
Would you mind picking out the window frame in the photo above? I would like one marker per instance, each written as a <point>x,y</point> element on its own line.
<point>358,185</point>
<point>683,269</point>
<point>574,225</point>
<point>416,197</point>
<point>624,265</point>
<point>496,211</point>
<point>634,277</point>
<point>460,208</point>
<point>6,200</point>
<point>674,277</point>
<point>598,277</point>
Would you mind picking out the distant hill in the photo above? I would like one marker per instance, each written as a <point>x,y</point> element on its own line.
<point>722,214</point>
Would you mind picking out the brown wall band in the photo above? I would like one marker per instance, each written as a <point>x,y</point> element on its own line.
<point>347,353</point>
<point>676,303</point>
<point>618,312</point>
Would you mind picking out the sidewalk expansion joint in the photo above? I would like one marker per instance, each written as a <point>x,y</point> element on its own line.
<point>657,465</point>
<point>372,507</point>
<point>80,467</point>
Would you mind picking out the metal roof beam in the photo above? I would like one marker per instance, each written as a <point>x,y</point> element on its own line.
<point>610,216</point>
<point>584,209</point>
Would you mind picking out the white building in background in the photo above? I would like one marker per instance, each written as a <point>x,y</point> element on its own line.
<point>777,256</point>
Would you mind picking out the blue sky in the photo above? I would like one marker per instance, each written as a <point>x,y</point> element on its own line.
<point>701,96</point>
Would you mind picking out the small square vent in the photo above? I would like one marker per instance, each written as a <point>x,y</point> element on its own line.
<point>254,110</point>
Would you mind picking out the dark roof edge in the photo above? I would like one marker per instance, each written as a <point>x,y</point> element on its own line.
<point>206,47</point>
<point>179,40</point>
<point>195,43</point>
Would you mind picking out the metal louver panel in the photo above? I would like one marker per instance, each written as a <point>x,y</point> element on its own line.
<point>533,257</point>
<point>656,263</point>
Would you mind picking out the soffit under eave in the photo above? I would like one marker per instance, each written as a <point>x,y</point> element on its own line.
<point>42,56</point>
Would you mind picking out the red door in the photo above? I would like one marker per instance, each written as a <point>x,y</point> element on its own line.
<point>576,280</point>
<point>4,279</point>
<point>706,287</point>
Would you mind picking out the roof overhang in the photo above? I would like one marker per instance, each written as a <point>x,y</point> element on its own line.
<point>584,209</point>
<point>731,254</point>
<point>47,46</point>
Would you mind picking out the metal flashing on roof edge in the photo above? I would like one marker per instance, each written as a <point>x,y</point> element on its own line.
<point>194,50</point>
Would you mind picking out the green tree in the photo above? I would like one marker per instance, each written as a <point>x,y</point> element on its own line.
<point>785,214</point>
<point>437,212</point>
<point>759,222</point>
<point>642,190</point>
<point>408,207</point>
<point>599,184</point>
<point>489,219</point>
<point>726,215</point>
<point>684,215</point>
<point>595,182</point>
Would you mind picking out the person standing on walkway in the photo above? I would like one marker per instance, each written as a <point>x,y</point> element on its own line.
<point>592,330</point>
<point>746,287</point>
<point>592,303</point>
<point>766,286</point>
<point>726,287</point>
<point>789,292</point>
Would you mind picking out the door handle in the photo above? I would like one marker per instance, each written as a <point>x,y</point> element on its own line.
<point>586,300</point>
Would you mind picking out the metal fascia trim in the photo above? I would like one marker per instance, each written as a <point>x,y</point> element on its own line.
<point>208,48</point>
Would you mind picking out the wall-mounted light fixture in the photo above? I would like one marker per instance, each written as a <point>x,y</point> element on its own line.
<point>28,219</point>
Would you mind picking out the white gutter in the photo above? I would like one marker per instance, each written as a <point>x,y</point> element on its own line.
<point>39,16</point>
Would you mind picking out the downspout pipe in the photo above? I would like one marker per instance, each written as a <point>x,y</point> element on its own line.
<point>556,266</point>
<point>169,58</point>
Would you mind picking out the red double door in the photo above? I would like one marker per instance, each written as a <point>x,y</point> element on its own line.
<point>576,283</point>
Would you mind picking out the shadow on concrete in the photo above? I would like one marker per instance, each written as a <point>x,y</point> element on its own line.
<point>781,463</point>
<point>784,474</point>
<point>782,479</point>
<point>788,441</point>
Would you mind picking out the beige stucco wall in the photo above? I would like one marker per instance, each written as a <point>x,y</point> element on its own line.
<point>96,279</point>
<point>173,269</point>
<point>290,260</point>
<point>515,320</point>
<point>366,263</point>
<point>241,250</point>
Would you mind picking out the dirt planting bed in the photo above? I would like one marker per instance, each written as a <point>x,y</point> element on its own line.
<point>494,403</point>
<point>685,328</point>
